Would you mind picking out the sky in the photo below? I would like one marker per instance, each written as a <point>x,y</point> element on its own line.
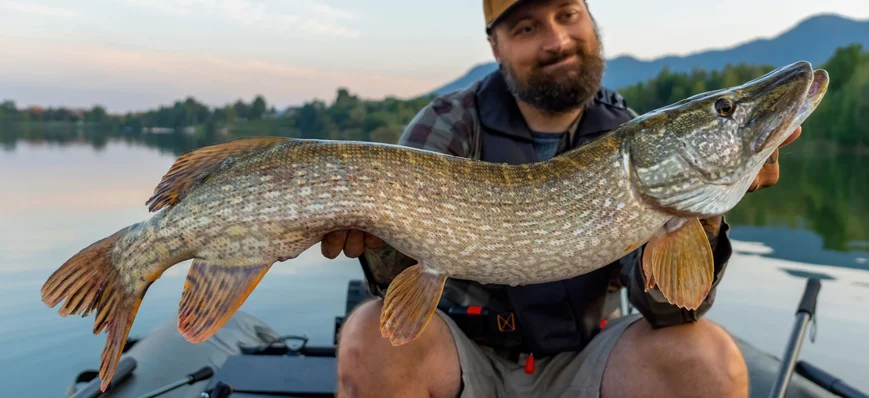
<point>138,54</point>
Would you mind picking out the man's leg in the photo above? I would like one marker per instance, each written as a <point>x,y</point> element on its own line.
<point>369,366</point>
<point>691,360</point>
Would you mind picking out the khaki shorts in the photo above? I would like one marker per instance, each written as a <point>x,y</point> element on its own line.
<point>569,374</point>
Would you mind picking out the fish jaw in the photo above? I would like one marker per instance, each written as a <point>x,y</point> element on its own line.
<point>697,157</point>
<point>776,133</point>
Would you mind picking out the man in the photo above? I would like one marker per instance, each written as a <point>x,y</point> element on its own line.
<point>549,341</point>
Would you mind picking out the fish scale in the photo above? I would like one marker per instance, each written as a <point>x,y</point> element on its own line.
<point>238,207</point>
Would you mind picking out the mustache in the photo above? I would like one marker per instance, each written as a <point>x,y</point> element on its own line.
<point>561,56</point>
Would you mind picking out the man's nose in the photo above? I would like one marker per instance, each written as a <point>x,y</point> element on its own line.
<point>557,39</point>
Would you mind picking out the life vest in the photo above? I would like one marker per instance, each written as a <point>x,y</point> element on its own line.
<point>546,318</point>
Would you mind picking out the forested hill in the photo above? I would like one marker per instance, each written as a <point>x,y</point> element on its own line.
<point>813,39</point>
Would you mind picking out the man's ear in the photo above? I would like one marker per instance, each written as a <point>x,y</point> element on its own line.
<point>493,43</point>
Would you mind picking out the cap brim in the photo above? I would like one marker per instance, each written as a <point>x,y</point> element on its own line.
<point>506,11</point>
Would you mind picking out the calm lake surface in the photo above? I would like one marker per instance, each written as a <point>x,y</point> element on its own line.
<point>58,196</point>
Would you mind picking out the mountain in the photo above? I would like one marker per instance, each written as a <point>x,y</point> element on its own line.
<point>813,39</point>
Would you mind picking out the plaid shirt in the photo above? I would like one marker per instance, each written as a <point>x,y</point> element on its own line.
<point>450,125</point>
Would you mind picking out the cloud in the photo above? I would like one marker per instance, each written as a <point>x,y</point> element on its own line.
<point>330,12</point>
<point>134,78</point>
<point>329,29</point>
<point>313,18</point>
<point>39,9</point>
<point>174,7</point>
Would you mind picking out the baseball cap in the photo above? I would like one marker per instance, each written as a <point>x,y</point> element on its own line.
<point>495,9</point>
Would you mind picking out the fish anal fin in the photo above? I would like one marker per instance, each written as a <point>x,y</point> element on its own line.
<point>410,302</point>
<point>212,294</point>
<point>195,165</point>
<point>680,263</point>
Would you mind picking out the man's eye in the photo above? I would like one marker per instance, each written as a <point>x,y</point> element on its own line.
<point>524,30</point>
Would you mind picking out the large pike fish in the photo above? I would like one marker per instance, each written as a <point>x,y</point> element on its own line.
<point>238,207</point>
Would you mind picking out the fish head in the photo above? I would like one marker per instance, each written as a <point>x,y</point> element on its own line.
<point>697,157</point>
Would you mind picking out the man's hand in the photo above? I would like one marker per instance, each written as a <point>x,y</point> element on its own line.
<point>768,175</point>
<point>353,242</point>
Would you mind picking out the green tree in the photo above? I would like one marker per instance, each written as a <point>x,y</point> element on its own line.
<point>97,114</point>
<point>313,121</point>
<point>242,110</point>
<point>257,108</point>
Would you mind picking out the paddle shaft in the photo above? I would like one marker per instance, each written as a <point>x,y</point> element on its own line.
<point>197,376</point>
<point>805,312</point>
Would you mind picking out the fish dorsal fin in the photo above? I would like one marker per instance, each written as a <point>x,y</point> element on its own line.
<point>193,166</point>
<point>212,293</point>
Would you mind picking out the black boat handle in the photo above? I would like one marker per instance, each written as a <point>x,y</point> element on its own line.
<point>810,297</point>
<point>829,382</point>
<point>92,389</point>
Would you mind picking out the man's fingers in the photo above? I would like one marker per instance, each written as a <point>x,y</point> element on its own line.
<point>373,241</point>
<point>768,175</point>
<point>794,136</point>
<point>355,243</point>
<point>332,243</point>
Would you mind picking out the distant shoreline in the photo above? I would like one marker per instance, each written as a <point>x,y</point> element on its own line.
<point>53,130</point>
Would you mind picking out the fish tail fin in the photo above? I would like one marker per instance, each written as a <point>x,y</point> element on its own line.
<point>91,282</point>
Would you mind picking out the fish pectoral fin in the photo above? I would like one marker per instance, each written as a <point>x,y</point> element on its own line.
<point>195,165</point>
<point>410,302</point>
<point>680,263</point>
<point>212,294</point>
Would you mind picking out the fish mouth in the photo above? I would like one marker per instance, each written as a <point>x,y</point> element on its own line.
<point>820,82</point>
<point>802,91</point>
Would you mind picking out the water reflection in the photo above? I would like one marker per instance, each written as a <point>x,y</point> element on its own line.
<point>174,142</point>
<point>826,193</point>
<point>823,193</point>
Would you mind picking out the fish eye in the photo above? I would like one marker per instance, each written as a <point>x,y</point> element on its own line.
<point>724,107</point>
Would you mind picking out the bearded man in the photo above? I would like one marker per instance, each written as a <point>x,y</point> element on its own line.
<point>550,339</point>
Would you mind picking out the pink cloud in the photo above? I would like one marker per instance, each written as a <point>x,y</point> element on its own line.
<point>214,79</point>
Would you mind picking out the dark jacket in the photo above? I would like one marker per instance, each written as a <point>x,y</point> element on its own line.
<point>483,122</point>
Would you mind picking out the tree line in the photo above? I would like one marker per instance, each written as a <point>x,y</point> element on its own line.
<point>841,121</point>
<point>189,112</point>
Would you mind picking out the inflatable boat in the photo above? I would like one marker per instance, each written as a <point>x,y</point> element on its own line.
<point>249,359</point>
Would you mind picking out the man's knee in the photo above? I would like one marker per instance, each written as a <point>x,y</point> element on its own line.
<point>368,364</point>
<point>359,335</point>
<point>704,352</point>
<point>692,358</point>
<point>709,350</point>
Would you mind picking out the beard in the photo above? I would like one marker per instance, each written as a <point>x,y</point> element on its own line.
<point>562,90</point>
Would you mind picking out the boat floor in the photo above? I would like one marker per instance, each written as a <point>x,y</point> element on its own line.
<point>164,356</point>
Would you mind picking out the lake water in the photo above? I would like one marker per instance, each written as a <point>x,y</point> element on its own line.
<point>58,196</point>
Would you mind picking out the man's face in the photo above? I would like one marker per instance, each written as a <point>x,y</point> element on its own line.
<point>550,54</point>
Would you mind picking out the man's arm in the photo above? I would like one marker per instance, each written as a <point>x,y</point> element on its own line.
<point>652,303</point>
